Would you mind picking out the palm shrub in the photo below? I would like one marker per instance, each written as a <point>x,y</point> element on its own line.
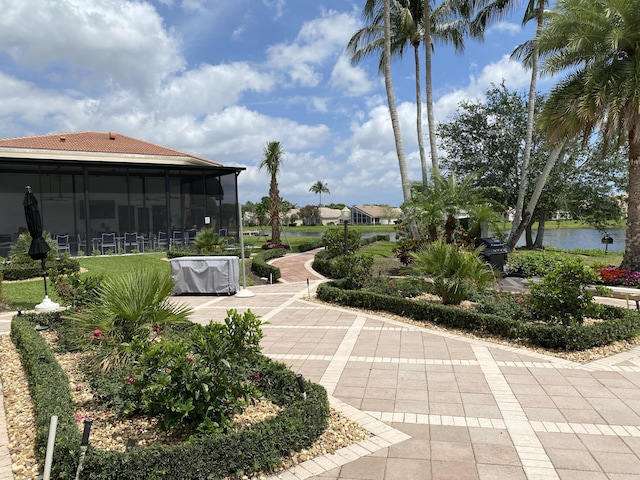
<point>207,241</point>
<point>457,273</point>
<point>19,251</point>
<point>562,293</point>
<point>132,307</point>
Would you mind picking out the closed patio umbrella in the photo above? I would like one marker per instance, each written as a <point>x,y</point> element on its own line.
<point>39,248</point>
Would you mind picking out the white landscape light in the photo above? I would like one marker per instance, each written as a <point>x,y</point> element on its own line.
<point>345,215</point>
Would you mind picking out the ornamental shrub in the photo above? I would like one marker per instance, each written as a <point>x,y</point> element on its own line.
<point>562,293</point>
<point>353,269</point>
<point>333,240</point>
<point>532,263</point>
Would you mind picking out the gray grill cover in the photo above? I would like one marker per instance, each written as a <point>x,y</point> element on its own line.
<point>205,275</point>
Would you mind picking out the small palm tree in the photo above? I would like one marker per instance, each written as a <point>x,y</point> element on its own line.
<point>207,241</point>
<point>130,308</point>
<point>272,162</point>
<point>319,188</point>
<point>456,273</point>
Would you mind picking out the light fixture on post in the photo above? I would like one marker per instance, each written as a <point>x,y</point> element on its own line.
<point>345,215</point>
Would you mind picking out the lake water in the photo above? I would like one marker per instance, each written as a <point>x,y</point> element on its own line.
<point>564,238</point>
<point>583,238</point>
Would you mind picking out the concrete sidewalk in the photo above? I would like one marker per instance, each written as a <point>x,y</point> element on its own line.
<point>441,406</point>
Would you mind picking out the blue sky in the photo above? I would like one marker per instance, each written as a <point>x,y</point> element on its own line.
<point>221,78</point>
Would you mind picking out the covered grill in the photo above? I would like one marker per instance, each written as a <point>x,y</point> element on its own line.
<point>494,253</point>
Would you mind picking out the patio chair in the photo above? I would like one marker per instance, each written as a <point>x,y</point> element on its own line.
<point>176,239</point>
<point>162,240</point>
<point>63,244</point>
<point>108,240</point>
<point>82,244</point>
<point>131,240</point>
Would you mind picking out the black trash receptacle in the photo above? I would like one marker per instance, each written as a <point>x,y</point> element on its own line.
<point>494,253</point>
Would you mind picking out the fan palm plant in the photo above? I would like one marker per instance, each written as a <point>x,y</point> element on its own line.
<point>132,307</point>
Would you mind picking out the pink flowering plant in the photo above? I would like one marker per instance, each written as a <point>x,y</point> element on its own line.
<point>613,275</point>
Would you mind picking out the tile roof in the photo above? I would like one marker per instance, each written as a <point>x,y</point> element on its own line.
<point>95,142</point>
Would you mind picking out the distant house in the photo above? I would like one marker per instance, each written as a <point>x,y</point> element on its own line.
<point>327,216</point>
<point>89,183</point>
<point>374,215</point>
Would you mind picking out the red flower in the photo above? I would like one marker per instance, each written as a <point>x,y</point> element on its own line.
<point>130,379</point>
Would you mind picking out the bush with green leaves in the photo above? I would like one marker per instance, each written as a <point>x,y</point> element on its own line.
<point>397,287</point>
<point>457,273</point>
<point>77,291</point>
<point>562,293</point>
<point>405,248</point>
<point>201,382</point>
<point>354,269</point>
<point>532,263</point>
<point>506,304</point>
<point>131,306</point>
<point>333,240</point>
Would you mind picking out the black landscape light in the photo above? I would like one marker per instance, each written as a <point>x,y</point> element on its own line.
<point>300,381</point>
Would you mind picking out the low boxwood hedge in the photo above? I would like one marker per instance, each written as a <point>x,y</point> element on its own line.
<point>261,268</point>
<point>255,448</point>
<point>619,324</point>
<point>25,271</point>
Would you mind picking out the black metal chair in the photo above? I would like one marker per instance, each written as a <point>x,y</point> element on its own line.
<point>82,244</point>
<point>108,241</point>
<point>162,240</point>
<point>63,244</point>
<point>131,240</point>
<point>176,239</point>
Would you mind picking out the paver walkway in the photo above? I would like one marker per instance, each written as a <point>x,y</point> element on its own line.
<point>441,406</point>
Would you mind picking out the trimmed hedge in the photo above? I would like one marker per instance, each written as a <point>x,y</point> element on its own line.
<point>49,388</point>
<point>255,448</point>
<point>620,324</point>
<point>261,268</point>
<point>25,271</point>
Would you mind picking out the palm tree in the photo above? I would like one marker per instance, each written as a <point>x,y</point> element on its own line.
<point>407,29</point>
<point>447,23</point>
<point>393,111</point>
<point>597,41</point>
<point>271,162</point>
<point>491,10</point>
<point>319,188</point>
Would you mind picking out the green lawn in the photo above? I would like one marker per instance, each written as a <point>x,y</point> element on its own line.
<point>25,295</point>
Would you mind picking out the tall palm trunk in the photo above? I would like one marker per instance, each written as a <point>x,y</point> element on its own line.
<point>423,159</point>
<point>393,112</point>
<point>431,122</point>
<point>274,212</point>
<point>526,156</point>
<point>631,260</point>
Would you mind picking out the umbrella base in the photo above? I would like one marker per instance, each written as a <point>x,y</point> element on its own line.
<point>46,305</point>
<point>244,293</point>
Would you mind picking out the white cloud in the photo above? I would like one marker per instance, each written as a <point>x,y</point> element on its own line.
<point>278,6</point>
<point>351,81</point>
<point>509,28</point>
<point>318,40</point>
<point>507,70</point>
<point>209,88</point>
<point>113,42</point>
